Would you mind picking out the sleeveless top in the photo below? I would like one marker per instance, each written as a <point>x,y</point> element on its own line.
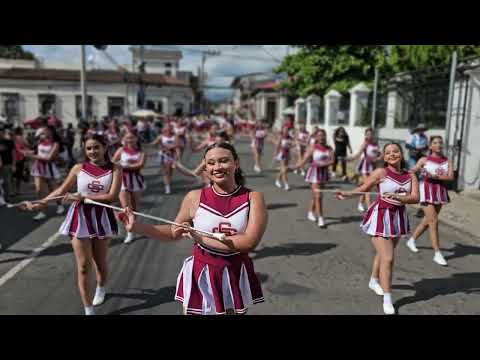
<point>94,180</point>
<point>321,155</point>
<point>223,213</point>
<point>129,156</point>
<point>395,183</point>
<point>435,166</point>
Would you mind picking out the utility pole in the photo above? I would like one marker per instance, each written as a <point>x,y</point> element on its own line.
<point>142,72</point>
<point>83,84</point>
<point>205,55</point>
<point>375,95</point>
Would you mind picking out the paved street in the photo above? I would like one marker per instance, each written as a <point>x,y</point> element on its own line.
<point>304,270</point>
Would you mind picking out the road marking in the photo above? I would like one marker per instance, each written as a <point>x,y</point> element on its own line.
<point>25,262</point>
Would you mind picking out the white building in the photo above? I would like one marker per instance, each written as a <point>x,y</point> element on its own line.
<point>29,89</point>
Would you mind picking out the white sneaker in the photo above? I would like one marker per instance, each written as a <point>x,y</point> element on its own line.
<point>99,296</point>
<point>60,210</point>
<point>376,287</point>
<point>168,191</point>
<point>287,187</point>
<point>89,311</point>
<point>40,216</point>
<point>333,175</point>
<point>321,222</point>
<point>411,245</point>
<point>388,309</point>
<point>296,172</point>
<point>311,216</point>
<point>361,208</point>
<point>438,258</point>
<point>304,173</point>
<point>128,238</point>
<point>257,169</point>
<point>278,184</point>
<point>2,201</point>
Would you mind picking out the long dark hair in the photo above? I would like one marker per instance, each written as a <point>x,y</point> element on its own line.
<point>102,140</point>
<point>239,177</point>
<point>403,163</point>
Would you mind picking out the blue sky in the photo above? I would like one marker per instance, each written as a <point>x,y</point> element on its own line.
<point>235,59</point>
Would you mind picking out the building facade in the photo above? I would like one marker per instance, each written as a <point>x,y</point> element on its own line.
<point>29,89</point>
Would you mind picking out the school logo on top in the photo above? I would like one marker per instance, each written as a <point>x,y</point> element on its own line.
<point>225,228</point>
<point>95,186</point>
<point>439,171</point>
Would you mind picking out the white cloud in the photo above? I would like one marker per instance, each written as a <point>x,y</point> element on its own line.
<point>234,60</point>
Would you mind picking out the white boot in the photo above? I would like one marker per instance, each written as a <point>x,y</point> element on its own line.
<point>99,296</point>
<point>439,259</point>
<point>89,310</point>
<point>361,208</point>
<point>376,287</point>
<point>412,246</point>
<point>40,216</point>
<point>128,238</point>
<point>60,210</point>
<point>321,222</point>
<point>388,308</point>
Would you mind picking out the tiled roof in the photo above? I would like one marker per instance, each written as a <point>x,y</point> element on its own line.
<point>101,76</point>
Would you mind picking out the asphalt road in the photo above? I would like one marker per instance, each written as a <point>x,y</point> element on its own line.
<point>304,270</point>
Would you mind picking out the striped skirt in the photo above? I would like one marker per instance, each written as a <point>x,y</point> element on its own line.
<point>133,181</point>
<point>211,284</point>
<point>164,158</point>
<point>86,221</point>
<point>317,174</point>
<point>365,167</point>
<point>283,155</point>
<point>45,169</point>
<point>387,221</point>
<point>433,193</point>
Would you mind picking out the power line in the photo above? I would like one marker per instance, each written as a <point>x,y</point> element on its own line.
<point>235,56</point>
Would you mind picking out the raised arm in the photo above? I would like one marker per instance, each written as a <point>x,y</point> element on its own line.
<point>308,154</point>
<point>358,154</point>
<point>419,166</point>
<point>374,179</point>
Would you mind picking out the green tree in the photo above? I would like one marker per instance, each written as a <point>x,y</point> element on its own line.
<point>315,69</point>
<point>415,57</point>
<point>15,52</point>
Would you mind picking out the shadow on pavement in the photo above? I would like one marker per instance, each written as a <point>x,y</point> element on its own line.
<point>343,220</point>
<point>427,289</point>
<point>151,298</point>
<point>292,250</point>
<point>60,249</point>
<point>460,251</point>
<point>280,206</point>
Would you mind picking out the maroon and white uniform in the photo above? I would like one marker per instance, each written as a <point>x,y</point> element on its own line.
<point>259,136</point>
<point>434,191</point>
<point>45,168</point>
<point>285,145</point>
<point>368,159</point>
<point>133,180</point>
<point>181,132</point>
<point>302,140</point>
<point>166,156</point>
<point>318,171</point>
<point>87,221</point>
<point>212,281</point>
<point>388,218</point>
